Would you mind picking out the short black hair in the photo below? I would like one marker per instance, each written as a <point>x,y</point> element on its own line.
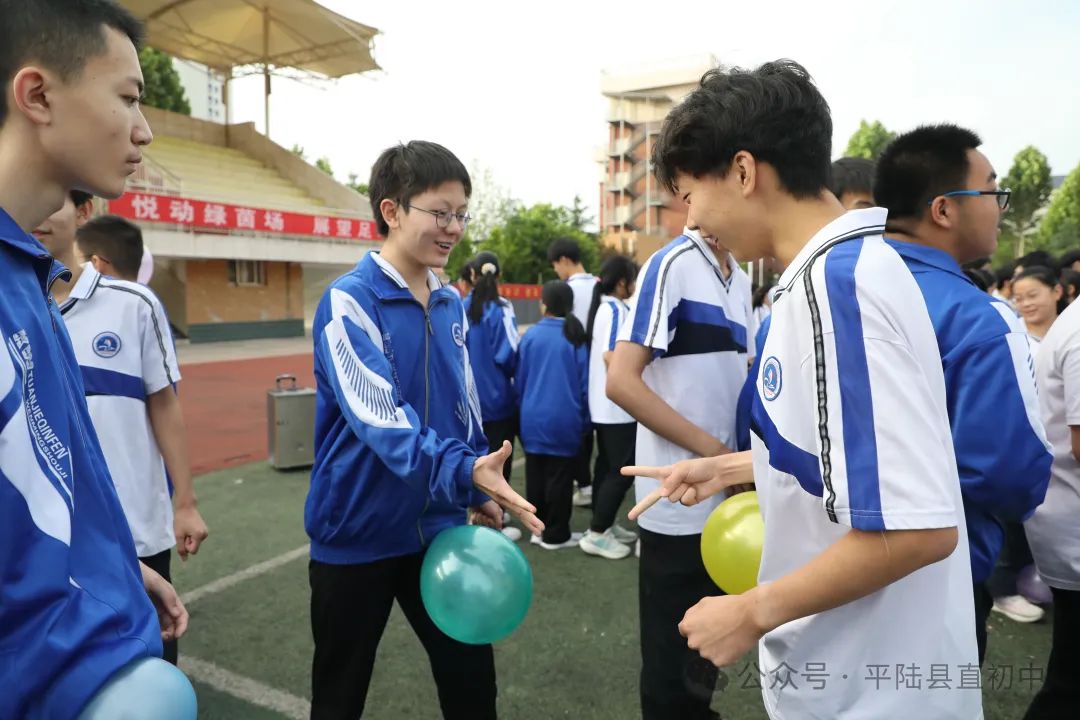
<point>774,112</point>
<point>852,175</point>
<point>1067,259</point>
<point>564,247</point>
<point>1004,274</point>
<point>60,34</point>
<point>919,165</point>
<point>1037,258</point>
<point>115,239</point>
<point>406,170</point>
<point>79,197</point>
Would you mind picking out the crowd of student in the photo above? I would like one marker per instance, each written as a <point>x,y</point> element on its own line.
<point>910,421</point>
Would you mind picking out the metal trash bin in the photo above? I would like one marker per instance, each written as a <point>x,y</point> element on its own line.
<point>290,412</point>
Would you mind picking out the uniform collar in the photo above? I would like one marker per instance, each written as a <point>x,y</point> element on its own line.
<point>86,284</point>
<point>17,239</point>
<point>710,255</point>
<point>928,256</point>
<point>852,224</point>
<point>392,283</point>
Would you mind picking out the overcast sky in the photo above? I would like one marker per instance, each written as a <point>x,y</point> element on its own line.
<point>515,86</point>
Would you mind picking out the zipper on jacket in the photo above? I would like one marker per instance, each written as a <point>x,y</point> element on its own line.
<point>427,404</point>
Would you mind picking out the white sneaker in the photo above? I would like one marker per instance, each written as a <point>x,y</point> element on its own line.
<point>512,532</point>
<point>637,548</point>
<point>603,545</point>
<point>623,535</point>
<point>583,497</point>
<point>575,538</point>
<point>1017,608</point>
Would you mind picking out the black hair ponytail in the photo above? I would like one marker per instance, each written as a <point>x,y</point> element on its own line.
<point>486,284</point>
<point>558,300</point>
<point>615,269</point>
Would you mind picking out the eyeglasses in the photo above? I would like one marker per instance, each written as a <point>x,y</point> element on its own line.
<point>1001,195</point>
<point>443,217</point>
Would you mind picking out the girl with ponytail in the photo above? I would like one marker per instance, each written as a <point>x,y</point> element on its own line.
<point>616,431</point>
<point>552,386</point>
<point>492,341</point>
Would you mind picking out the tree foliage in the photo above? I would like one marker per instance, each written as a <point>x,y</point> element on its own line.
<point>162,83</point>
<point>869,140</point>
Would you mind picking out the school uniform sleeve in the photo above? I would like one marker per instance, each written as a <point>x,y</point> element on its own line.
<point>606,326</point>
<point>651,306</point>
<point>581,355</point>
<point>1001,449</point>
<point>159,363</point>
<point>504,336</point>
<point>351,358</point>
<point>478,441</point>
<point>1069,362</point>
<point>878,416</point>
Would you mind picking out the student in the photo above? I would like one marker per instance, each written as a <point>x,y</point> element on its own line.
<point>852,182</point>
<point>616,431</point>
<point>129,369</point>
<point>1053,531</point>
<point>1070,283</point>
<point>944,208</point>
<point>1039,299</point>
<point>1039,258</point>
<point>852,456</point>
<point>761,304</point>
<point>564,254</point>
<point>552,387</point>
<point>1070,261</point>
<point>493,344</point>
<point>677,369</point>
<point>399,447</point>
<point>1003,284</point>
<point>69,117</point>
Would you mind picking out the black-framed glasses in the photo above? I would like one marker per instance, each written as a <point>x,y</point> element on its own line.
<point>1001,195</point>
<point>443,217</point>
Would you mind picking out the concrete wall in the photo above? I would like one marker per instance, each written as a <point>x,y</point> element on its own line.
<point>211,298</point>
<point>200,245</point>
<point>163,122</point>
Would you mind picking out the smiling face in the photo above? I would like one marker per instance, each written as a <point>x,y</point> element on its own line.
<point>1036,301</point>
<point>91,126</point>
<point>719,208</point>
<point>415,231</point>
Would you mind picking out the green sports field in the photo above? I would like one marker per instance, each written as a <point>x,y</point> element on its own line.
<point>248,648</point>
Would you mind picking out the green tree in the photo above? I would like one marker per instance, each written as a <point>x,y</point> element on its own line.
<point>323,164</point>
<point>869,140</point>
<point>298,151</point>
<point>163,89</point>
<point>460,255</point>
<point>578,213</point>
<point>1060,227</point>
<point>355,184</point>
<point>522,242</point>
<point>1029,180</point>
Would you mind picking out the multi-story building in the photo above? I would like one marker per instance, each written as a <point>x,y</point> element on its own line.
<point>636,215</point>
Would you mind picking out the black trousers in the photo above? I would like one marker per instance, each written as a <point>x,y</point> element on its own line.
<point>616,450</point>
<point>582,472</point>
<point>1015,556</point>
<point>497,431</point>
<point>549,485</point>
<point>1059,697</point>
<point>676,682</point>
<point>349,608</point>
<point>160,564</point>
<point>984,601</point>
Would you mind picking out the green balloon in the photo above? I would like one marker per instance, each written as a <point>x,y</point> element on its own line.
<point>476,584</point>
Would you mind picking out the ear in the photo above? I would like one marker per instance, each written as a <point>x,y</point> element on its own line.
<point>83,213</point>
<point>1058,292</point>
<point>938,213</point>
<point>98,264</point>
<point>30,88</point>
<point>390,210</point>
<point>744,168</point>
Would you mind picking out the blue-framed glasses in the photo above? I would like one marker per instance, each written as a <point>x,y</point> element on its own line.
<point>1001,195</point>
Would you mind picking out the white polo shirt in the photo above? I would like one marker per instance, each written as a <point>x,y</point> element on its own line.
<point>850,430</point>
<point>582,284</point>
<point>1054,530</point>
<point>125,351</point>
<point>610,316</point>
<point>695,321</point>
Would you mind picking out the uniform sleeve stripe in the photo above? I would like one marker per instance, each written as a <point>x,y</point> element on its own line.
<point>651,293</point>
<point>856,398</point>
<point>157,326</point>
<point>613,335</point>
<point>99,381</point>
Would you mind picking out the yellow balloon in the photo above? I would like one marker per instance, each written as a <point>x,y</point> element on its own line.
<point>731,543</point>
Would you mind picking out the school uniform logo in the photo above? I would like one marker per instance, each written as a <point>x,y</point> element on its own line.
<point>772,378</point>
<point>107,345</point>
<point>459,334</point>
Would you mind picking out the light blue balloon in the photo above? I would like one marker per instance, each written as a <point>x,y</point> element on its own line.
<point>146,689</point>
<point>476,584</point>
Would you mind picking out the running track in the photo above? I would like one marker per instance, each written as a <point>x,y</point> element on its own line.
<point>225,407</point>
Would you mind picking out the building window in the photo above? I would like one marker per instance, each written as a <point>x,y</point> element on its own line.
<point>247,273</point>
